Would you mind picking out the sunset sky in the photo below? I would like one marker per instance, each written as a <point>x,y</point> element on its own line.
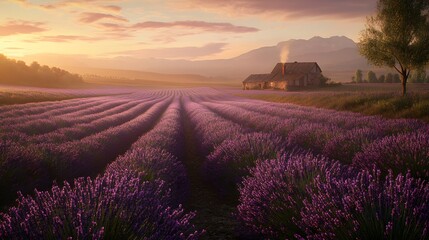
<point>182,29</point>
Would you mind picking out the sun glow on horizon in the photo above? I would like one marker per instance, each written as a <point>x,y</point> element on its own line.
<point>189,30</point>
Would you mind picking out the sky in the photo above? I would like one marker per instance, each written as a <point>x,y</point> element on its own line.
<point>174,29</point>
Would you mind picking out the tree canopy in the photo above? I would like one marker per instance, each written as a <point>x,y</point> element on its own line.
<point>14,72</point>
<point>398,36</point>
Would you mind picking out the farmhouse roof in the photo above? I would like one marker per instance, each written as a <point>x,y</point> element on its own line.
<point>257,78</point>
<point>292,70</point>
<point>295,67</point>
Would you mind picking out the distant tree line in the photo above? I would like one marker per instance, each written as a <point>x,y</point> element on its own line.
<point>15,72</point>
<point>419,76</point>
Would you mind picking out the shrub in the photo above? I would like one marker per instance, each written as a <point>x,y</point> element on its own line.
<point>231,160</point>
<point>312,136</point>
<point>343,147</point>
<point>113,206</point>
<point>400,153</point>
<point>21,168</point>
<point>365,207</point>
<point>272,196</point>
<point>156,164</point>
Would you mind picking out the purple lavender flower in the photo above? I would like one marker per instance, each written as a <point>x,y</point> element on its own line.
<point>400,153</point>
<point>366,207</point>
<point>231,160</point>
<point>343,147</point>
<point>272,196</point>
<point>209,127</point>
<point>155,163</point>
<point>313,136</point>
<point>113,206</point>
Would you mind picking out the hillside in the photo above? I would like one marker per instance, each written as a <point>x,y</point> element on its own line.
<point>14,72</point>
<point>337,56</point>
<point>145,79</point>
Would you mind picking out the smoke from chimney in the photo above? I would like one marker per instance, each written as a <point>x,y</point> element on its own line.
<point>284,53</point>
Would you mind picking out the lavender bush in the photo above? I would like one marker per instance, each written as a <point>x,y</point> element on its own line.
<point>156,164</point>
<point>231,160</point>
<point>28,166</point>
<point>400,153</point>
<point>366,207</point>
<point>343,147</point>
<point>313,136</point>
<point>167,134</point>
<point>272,196</point>
<point>113,206</point>
<point>21,169</point>
<point>209,127</point>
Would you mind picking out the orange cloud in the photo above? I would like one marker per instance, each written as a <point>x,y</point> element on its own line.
<point>185,28</point>
<point>67,38</point>
<point>200,25</point>
<point>286,9</point>
<point>112,8</point>
<point>90,17</point>
<point>114,27</point>
<point>21,27</point>
<point>68,3</point>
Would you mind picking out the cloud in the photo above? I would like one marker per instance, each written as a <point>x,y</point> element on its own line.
<point>186,25</point>
<point>90,17</point>
<point>67,38</point>
<point>175,53</point>
<point>21,27</point>
<point>200,25</point>
<point>170,31</point>
<point>112,8</point>
<point>71,3</point>
<point>113,27</point>
<point>168,37</point>
<point>287,9</point>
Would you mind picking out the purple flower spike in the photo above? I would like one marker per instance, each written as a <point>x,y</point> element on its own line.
<point>113,206</point>
<point>366,207</point>
<point>272,196</point>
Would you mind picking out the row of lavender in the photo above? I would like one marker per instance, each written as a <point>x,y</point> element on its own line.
<point>81,147</point>
<point>299,194</point>
<point>136,197</point>
<point>399,145</point>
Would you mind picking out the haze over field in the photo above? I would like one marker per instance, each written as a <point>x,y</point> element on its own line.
<point>209,38</point>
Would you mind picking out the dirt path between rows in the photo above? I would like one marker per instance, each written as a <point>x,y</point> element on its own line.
<point>214,213</point>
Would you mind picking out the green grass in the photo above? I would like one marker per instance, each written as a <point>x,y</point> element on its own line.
<point>7,98</point>
<point>21,96</point>
<point>387,104</point>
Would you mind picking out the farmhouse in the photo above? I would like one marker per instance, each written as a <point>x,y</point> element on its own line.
<point>286,76</point>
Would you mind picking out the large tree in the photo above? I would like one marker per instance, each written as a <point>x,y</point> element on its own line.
<point>398,36</point>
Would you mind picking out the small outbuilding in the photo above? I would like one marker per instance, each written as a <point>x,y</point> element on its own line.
<point>286,76</point>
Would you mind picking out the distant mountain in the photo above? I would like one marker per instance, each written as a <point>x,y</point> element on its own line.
<point>334,54</point>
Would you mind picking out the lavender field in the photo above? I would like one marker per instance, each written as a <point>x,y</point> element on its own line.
<point>202,164</point>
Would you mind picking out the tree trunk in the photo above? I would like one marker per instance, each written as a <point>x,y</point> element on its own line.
<point>404,79</point>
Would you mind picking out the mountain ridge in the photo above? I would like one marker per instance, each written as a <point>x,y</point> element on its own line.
<point>333,54</point>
